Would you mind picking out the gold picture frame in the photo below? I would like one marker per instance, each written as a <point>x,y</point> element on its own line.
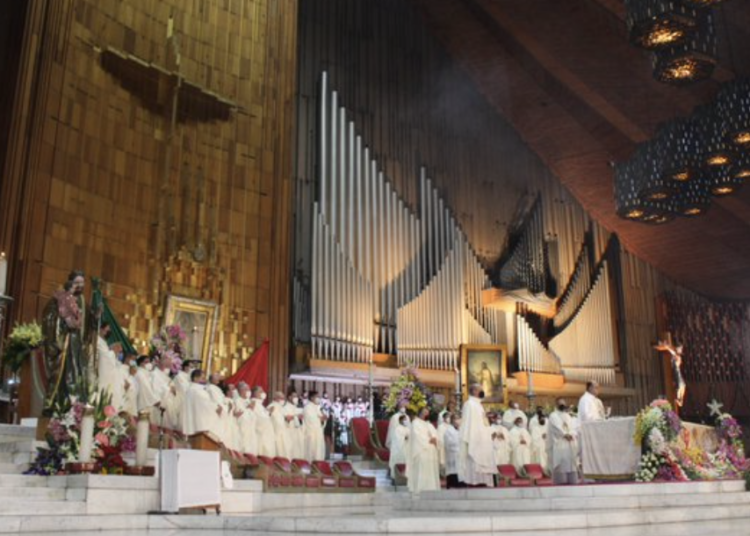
<point>198,319</point>
<point>485,364</point>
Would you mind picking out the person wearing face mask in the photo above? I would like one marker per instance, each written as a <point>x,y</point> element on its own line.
<point>130,371</point>
<point>198,412</point>
<point>538,431</point>
<point>313,423</point>
<point>444,423</point>
<point>181,384</point>
<point>422,461</point>
<point>451,446</point>
<point>513,413</point>
<point>476,461</point>
<point>112,375</point>
<point>263,425</point>
<point>393,423</point>
<point>246,421</point>
<point>562,444</point>
<point>399,443</point>
<point>292,415</point>
<point>520,446</point>
<point>280,429</point>
<point>147,396</point>
<point>500,441</point>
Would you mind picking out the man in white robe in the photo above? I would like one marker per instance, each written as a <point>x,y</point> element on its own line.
<point>500,442</point>
<point>281,430</point>
<point>422,463</point>
<point>443,425</point>
<point>112,374</point>
<point>476,462</point>
<point>293,414</point>
<point>181,383</point>
<point>590,406</point>
<point>538,431</point>
<point>563,446</point>
<point>512,413</point>
<point>314,422</point>
<point>147,397</point>
<point>199,412</point>
<point>161,384</point>
<point>221,427</point>
<point>130,400</point>
<point>393,423</point>
<point>263,426</point>
<point>520,446</point>
<point>248,436</point>
<point>452,446</point>
<point>399,444</point>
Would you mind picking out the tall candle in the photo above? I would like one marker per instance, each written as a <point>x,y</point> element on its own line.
<point>3,273</point>
<point>141,439</point>
<point>87,435</point>
<point>458,380</point>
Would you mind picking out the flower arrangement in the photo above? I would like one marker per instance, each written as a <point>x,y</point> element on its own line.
<point>21,342</point>
<point>169,341</point>
<point>111,435</point>
<point>409,390</point>
<point>658,415</point>
<point>649,467</point>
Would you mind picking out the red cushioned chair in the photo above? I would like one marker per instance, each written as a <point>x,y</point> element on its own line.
<point>383,455</point>
<point>284,466</point>
<point>380,433</point>
<point>273,476</point>
<point>328,480</point>
<point>512,478</point>
<point>535,472</point>
<point>303,470</point>
<point>361,439</point>
<point>345,469</point>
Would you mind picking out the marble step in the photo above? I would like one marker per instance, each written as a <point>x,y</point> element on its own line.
<point>13,468</point>
<point>23,506</point>
<point>19,445</point>
<point>15,457</point>
<point>13,432</point>
<point>23,481</point>
<point>33,494</point>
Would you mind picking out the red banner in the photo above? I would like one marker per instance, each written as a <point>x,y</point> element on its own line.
<point>254,371</point>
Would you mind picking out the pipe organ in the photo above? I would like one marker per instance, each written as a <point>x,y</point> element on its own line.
<point>533,356</point>
<point>586,347</point>
<point>385,278</point>
<point>526,267</point>
<point>576,291</point>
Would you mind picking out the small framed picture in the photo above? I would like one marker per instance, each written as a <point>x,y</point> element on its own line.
<point>485,365</point>
<point>198,319</point>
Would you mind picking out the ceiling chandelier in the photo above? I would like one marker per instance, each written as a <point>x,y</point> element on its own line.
<point>689,161</point>
<point>690,59</point>
<point>657,23</point>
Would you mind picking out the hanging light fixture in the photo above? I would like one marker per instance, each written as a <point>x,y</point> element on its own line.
<point>628,203</point>
<point>691,60</point>
<point>716,151</point>
<point>653,185</point>
<point>693,199</point>
<point>677,150</point>
<point>657,23</point>
<point>722,181</point>
<point>733,110</point>
<point>741,168</point>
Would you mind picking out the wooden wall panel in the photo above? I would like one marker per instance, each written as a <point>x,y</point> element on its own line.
<point>94,180</point>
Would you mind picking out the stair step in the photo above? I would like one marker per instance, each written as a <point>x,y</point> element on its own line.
<point>19,445</point>
<point>13,468</point>
<point>23,481</point>
<point>25,507</point>
<point>13,432</point>
<point>33,493</point>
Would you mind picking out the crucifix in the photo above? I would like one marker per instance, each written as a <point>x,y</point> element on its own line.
<point>674,352</point>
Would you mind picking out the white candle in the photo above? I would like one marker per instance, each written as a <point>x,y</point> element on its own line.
<point>458,380</point>
<point>170,27</point>
<point>87,435</point>
<point>141,439</point>
<point>3,273</point>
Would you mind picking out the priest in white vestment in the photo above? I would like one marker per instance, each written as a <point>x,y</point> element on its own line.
<point>314,422</point>
<point>422,462</point>
<point>476,462</point>
<point>248,436</point>
<point>112,374</point>
<point>512,413</point>
<point>130,400</point>
<point>563,446</point>
<point>280,420</point>
<point>538,431</point>
<point>399,444</point>
<point>443,425</point>
<point>500,442</point>
<point>199,412</point>
<point>452,446</point>
<point>147,397</point>
<point>590,406</point>
<point>181,383</point>
<point>393,423</point>
<point>163,389</point>
<point>520,446</point>
<point>263,426</point>
<point>221,427</point>
<point>293,414</point>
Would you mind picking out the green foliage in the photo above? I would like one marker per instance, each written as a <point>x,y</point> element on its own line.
<point>21,342</point>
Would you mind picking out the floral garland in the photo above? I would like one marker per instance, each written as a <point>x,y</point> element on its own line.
<point>111,436</point>
<point>21,341</point>
<point>409,390</point>
<point>667,459</point>
<point>170,341</point>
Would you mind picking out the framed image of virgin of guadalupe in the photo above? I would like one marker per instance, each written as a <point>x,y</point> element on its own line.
<point>485,364</point>
<point>197,318</point>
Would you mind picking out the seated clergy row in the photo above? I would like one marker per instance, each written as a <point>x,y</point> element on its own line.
<point>238,418</point>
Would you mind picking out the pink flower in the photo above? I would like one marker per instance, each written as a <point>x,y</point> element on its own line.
<point>110,411</point>
<point>104,425</point>
<point>102,439</point>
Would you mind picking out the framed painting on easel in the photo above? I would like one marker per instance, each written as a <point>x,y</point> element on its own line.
<point>485,365</point>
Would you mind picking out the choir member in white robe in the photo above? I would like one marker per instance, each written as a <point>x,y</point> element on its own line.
<point>162,386</point>
<point>131,385</point>
<point>277,411</point>
<point>221,427</point>
<point>563,446</point>
<point>500,442</point>
<point>512,413</point>
<point>520,446</point>
<point>294,423</point>
<point>393,423</point>
<point>248,436</point>
<point>450,408</point>
<point>590,407</point>
<point>422,463</point>
<point>399,444</point>
<point>112,374</point>
<point>181,383</point>
<point>443,425</point>
<point>476,462</point>
<point>263,425</point>
<point>147,397</point>
<point>314,422</point>
<point>538,431</point>
<point>452,445</point>
<point>199,412</point>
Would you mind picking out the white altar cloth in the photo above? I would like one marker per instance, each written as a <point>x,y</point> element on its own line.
<point>608,449</point>
<point>192,478</point>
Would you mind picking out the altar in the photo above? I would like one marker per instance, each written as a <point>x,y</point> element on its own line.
<point>608,451</point>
